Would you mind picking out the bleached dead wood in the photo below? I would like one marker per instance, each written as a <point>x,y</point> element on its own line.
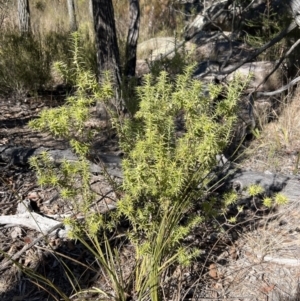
<point>25,217</point>
<point>34,221</point>
<point>47,226</point>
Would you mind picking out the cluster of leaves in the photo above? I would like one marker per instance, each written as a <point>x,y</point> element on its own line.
<point>259,197</point>
<point>68,122</point>
<point>75,112</point>
<point>257,190</point>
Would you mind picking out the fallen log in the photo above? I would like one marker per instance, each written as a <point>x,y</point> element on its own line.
<point>17,155</point>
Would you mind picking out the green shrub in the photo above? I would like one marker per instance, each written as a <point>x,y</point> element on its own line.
<point>23,65</point>
<point>26,61</point>
<point>68,122</point>
<point>165,175</point>
<point>65,58</point>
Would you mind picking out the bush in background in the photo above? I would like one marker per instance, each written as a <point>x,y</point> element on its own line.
<point>24,65</point>
<point>26,61</point>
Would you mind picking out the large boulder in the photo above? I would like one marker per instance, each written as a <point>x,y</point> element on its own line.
<point>204,46</point>
<point>154,48</point>
<point>255,72</point>
<point>258,71</point>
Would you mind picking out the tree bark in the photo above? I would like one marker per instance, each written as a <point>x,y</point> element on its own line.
<point>91,8</point>
<point>24,16</point>
<point>132,38</point>
<point>72,15</point>
<point>108,58</point>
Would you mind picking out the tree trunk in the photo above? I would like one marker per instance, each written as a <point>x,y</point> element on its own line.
<point>108,58</point>
<point>91,8</point>
<point>72,15</point>
<point>132,38</point>
<point>24,16</point>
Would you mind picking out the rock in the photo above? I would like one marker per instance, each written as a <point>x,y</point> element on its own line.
<point>154,48</point>
<point>258,71</point>
<point>255,71</point>
<point>146,48</point>
<point>21,155</point>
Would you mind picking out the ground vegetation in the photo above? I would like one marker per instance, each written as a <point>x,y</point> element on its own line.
<point>129,188</point>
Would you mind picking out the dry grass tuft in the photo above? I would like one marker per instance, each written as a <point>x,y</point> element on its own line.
<point>277,146</point>
<point>158,18</point>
